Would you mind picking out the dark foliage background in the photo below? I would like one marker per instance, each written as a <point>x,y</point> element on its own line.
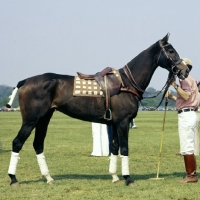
<point>5,92</point>
<point>154,102</point>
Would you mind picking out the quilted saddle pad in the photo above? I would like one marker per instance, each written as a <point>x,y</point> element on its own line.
<point>84,87</point>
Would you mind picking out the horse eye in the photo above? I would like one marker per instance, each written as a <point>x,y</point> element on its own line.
<point>171,51</point>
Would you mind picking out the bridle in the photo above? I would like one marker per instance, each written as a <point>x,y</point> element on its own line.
<point>174,64</point>
<point>175,71</point>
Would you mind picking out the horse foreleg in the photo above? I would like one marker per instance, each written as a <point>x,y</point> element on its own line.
<point>125,171</point>
<point>44,168</point>
<point>114,156</point>
<point>122,130</point>
<point>113,168</point>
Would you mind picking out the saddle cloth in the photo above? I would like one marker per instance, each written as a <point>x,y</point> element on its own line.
<point>84,87</point>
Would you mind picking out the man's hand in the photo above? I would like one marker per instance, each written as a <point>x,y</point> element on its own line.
<point>167,94</point>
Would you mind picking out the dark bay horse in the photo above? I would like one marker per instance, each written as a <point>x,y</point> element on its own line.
<point>40,95</point>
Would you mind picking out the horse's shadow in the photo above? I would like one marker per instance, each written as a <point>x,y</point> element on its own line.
<point>4,151</point>
<point>136,177</point>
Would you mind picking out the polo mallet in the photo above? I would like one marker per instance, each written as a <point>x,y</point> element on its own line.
<point>161,142</point>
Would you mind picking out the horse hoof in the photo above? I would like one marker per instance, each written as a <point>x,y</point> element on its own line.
<point>132,184</point>
<point>117,181</point>
<point>16,184</point>
<point>51,182</point>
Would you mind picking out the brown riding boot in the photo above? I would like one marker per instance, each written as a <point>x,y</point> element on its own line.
<point>190,166</point>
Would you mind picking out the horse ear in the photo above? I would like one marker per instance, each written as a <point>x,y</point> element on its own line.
<point>165,39</point>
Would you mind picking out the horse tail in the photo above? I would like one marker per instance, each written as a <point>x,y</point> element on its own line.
<point>14,92</point>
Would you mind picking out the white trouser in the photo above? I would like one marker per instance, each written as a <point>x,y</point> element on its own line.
<point>197,142</point>
<point>100,140</point>
<point>187,125</point>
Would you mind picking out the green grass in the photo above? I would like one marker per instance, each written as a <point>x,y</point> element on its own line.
<point>67,147</point>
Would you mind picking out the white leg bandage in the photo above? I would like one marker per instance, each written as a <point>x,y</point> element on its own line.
<point>12,97</point>
<point>113,168</point>
<point>43,167</point>
<point>13,163</point>
<point>125,165</point>
<point>113,164</point>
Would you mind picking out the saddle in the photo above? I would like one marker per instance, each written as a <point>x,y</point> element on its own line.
<point>110,82</point>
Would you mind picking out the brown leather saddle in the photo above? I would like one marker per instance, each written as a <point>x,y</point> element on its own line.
<point>110,82</point>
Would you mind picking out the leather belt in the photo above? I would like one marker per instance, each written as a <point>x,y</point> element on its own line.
<point>185,110</point>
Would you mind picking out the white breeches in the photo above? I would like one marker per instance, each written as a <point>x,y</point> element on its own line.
<point>187,125</point>
<point>197,141</point>
<point>100,140</point>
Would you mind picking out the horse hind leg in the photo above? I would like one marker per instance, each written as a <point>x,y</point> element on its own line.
<point>17,144</point>
<point>12,168</point>
<point>38,144</point>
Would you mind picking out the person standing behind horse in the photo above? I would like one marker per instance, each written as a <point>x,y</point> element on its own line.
<point>100,140</point>
<point>187,101</point>
<point>132,124</point>
<point>110,137</point>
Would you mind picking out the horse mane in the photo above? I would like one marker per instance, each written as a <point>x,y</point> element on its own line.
<point>144,53</point>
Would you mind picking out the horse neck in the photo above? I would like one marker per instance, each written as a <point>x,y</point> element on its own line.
<point>144,65</point>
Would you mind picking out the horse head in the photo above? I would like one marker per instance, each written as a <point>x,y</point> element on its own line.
<point>169,59</point>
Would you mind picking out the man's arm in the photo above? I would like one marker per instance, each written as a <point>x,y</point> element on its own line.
<point>181,92</point>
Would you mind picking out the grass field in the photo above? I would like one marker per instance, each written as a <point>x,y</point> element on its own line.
<point>67,147</point>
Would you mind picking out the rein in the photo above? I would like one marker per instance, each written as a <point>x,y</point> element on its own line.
<point>134,84</point>
<point>165,88</point>
<point>168,83</point>
<point>131,79</point>
<point>174,72</point>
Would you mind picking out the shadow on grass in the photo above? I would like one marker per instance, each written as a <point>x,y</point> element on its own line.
<point>103,177</point>
<point>106,177</point>
<point>4,151</point>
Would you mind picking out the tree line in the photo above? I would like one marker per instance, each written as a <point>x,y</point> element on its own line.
<point>147,101</point>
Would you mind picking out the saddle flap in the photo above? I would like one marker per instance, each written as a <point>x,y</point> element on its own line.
<point>114,84</point>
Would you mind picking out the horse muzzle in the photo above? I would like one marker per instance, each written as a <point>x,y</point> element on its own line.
<point>181,70</point>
